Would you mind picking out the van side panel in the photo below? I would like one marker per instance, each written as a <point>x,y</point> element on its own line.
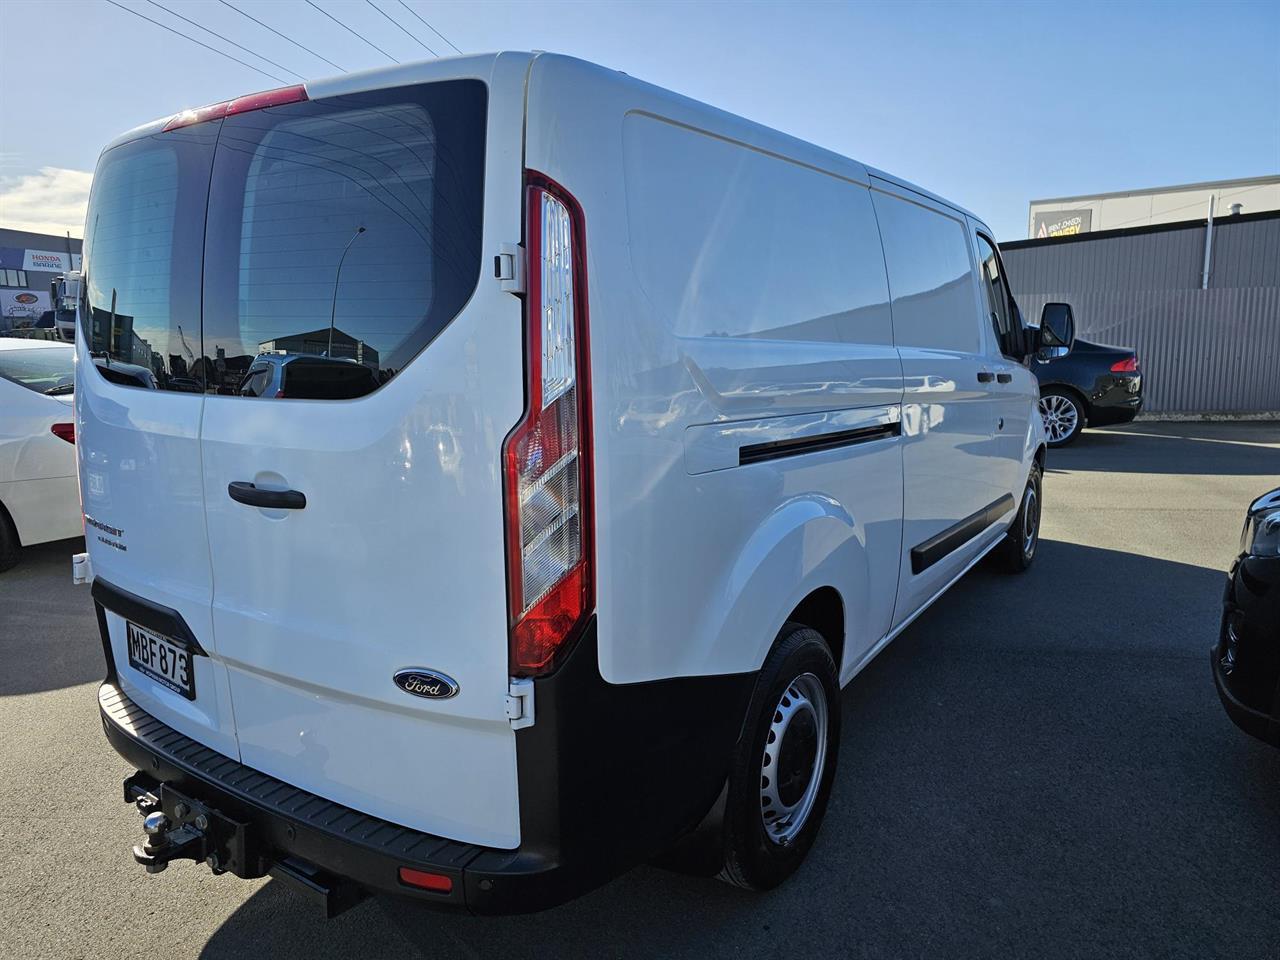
<point>738,297</point>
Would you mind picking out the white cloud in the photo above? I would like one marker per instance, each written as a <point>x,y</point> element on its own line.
<point>51,201</point>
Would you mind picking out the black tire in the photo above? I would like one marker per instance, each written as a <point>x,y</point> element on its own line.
<point>1064,415</point>
<point>1019,546</point>
<point>800,662</point>
<point>10,547</point>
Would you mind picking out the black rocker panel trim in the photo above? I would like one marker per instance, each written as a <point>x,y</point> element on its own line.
<point>146,613</point>
<point>940,544</point>
<point>792,447</point>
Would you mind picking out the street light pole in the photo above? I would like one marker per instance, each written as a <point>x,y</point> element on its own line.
<point>337,274</point>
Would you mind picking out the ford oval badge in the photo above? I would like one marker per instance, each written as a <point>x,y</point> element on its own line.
<point>426,683</point>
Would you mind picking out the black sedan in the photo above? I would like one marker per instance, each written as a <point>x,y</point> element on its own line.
<point>1094,384</point>
<point>1246,658</point>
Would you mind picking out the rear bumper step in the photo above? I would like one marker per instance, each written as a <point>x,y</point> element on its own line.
<point>315,844</point>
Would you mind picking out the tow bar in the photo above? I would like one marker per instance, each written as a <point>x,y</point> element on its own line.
<point>179,827</point>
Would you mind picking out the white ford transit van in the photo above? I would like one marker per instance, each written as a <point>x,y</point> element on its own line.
<point>532,455</point>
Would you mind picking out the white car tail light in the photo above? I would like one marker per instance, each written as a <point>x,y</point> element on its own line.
<point>547,457</point>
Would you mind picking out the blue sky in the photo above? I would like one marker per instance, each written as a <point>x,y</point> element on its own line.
<point>989,104</point>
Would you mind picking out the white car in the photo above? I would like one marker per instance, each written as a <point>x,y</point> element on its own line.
<point>38,497</point>
<point>671,423</point>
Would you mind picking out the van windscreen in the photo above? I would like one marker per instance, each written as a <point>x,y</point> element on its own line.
<point>346,228</point>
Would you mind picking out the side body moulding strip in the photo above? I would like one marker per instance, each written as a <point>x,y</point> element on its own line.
<point>940,544</point>
<point>774,449</point>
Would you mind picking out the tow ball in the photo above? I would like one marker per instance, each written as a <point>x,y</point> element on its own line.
<point>165,843</point>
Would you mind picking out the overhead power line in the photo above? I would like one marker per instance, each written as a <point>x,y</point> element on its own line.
<point>266,26</point>
<point>428,26</point>
<point>200,26</point>
<point>221,53</point>
<point>401,28</point>
<point>358,36</point>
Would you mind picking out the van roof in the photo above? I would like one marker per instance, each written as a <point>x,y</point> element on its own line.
<point>481,66</point>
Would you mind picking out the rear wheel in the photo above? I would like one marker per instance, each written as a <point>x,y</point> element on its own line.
<point>784,763</point>
<point>10,547</point>
<point>1063,416</point>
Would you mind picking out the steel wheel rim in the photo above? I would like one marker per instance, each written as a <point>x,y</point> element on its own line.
<point>1030,520</point>
<point>1059,416</point>
<point>785,804</point>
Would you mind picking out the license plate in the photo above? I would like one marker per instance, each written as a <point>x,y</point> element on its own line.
<point>164,660</point>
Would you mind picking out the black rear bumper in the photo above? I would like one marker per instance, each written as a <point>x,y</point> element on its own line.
<point>290,823</point>
<point>609,775</point>
<point>1117,399</point>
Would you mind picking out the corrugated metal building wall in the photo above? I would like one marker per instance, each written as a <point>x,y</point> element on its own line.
<point>1214,350</point>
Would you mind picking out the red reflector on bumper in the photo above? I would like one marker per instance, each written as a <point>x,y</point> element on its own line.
<point>435,882</point>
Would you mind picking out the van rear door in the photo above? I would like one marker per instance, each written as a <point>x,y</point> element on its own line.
<point>355,511</point>
<point>139,437</point>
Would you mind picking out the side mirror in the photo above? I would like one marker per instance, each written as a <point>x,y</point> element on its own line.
<point>1057,331</point>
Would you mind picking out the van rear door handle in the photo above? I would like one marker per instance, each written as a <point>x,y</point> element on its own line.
<point>985,376</point>
<point>1005,377</point>
<point>247,493</point>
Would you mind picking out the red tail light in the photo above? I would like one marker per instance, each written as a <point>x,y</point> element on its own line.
<point>229,108</point>
<point>547,457</point>
<point>1127,365</point>
<point>64,431</point>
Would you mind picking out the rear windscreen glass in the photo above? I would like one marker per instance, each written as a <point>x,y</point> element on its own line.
<point>144,235</point>
<point>344,229</point>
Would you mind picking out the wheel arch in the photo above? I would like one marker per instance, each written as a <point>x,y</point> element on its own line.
<point>823,611</point>
<point>807,562</point>
<point>1061,386</point>
<point>7,518</point>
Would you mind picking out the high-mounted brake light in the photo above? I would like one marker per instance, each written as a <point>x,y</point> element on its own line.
<point>229,108</point>
<point>64,431</point>
<point>547,457</point>
<point>1127,365</point>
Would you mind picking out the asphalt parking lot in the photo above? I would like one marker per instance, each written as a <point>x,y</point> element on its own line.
<point>1038,767</point>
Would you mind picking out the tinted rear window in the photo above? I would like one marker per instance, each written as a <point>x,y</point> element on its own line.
<point>289,269</point>
<point>346,229</point>
<point>144,235</point>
